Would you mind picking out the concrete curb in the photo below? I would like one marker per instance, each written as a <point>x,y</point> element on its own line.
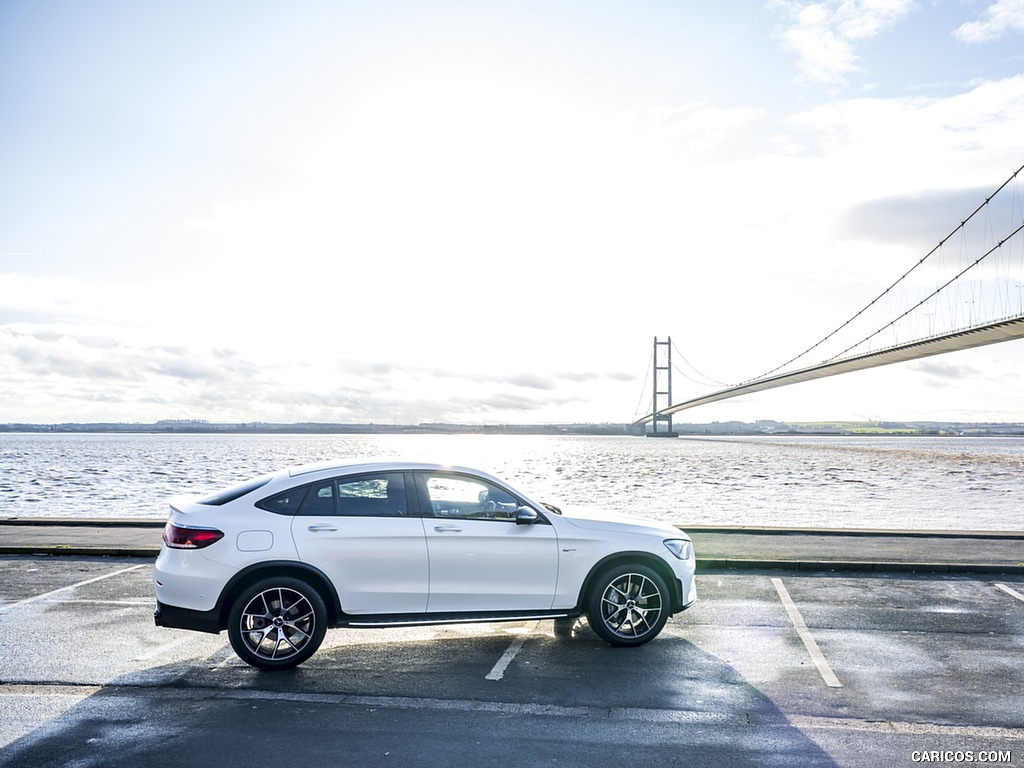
<point>70,551</point>
<point>83,522</point>
<point>855,532</point>
<point>138,542</point>
<point>853,566</point>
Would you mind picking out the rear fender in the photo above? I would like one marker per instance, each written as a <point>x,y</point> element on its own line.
<point>258,571</point>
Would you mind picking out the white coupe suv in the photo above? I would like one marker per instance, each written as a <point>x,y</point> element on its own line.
<point>278,560</point>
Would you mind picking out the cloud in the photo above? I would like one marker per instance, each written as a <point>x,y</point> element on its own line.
<point>699,127</point>
<point>918,220</point>
<point>509,403</point>
<point>824,34</point>
<point>531,381</point>
<point>398,373</point>
<point>1001,18</point>
<point>83,361</point>
<point>941,374</point>
<point>56,353</point>
<point>58,372</point>
<point>877,143</point>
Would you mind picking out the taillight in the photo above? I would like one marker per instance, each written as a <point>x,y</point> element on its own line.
<point>179,537</point>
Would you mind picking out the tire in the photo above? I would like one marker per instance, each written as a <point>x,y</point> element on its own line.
<point>277,623</point>
<point>628,605</point>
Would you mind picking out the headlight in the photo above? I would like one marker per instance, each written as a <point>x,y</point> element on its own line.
<point>681,548</point>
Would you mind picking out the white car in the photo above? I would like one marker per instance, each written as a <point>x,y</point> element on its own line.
<point>279,559</point>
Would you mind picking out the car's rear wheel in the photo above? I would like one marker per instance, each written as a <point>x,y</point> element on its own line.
<point>628,605</point>
<point>277,623</point>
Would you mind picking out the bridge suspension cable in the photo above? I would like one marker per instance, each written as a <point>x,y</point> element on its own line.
<point>930,296</point>
<point>899,280</point>
<point>707,380</point>
<point>645,391</point>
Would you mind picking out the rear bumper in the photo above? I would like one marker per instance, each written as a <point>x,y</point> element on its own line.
<point>173,617</point>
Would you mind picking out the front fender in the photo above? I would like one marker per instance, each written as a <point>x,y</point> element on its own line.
<point>638,557</point>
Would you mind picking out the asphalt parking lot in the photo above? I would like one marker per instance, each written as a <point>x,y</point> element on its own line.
<point>769,668</point>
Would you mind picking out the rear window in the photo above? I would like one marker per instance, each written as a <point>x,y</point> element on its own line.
<point>286,503</point>
<point>235,491</point>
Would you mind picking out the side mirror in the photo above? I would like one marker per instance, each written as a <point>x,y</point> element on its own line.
<point>526,516</point>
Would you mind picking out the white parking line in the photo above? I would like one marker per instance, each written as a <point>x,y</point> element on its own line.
<point>68,588</point>
<point>1011,592</point>
<point>498,671</point>
<point>801,629</point>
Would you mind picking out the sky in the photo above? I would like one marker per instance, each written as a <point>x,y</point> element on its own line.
<point>486,212</point>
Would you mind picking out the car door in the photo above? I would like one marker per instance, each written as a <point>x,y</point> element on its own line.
<point>361,532</point>
<point>480,559</point>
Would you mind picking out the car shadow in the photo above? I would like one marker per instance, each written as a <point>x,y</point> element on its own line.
<point>570,701</point>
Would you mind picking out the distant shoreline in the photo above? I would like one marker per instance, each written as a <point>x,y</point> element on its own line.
<point>729,428</point>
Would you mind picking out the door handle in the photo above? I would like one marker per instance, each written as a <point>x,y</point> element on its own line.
<point>447,529</point>
<point>317,528</point>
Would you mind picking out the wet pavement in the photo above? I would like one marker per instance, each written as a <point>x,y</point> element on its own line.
<point>770,667</point>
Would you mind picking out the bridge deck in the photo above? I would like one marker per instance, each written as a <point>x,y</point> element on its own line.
<point>1006,329</point>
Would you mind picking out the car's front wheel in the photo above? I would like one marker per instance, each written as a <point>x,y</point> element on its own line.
<point>628,605</point>
<point>277,623</point>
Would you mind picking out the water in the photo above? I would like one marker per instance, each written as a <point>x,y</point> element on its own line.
<point>891,482</point>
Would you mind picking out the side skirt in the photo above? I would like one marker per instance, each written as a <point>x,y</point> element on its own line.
<point>426,619</point>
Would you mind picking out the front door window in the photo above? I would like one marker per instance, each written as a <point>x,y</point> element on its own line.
<point>452,496</point>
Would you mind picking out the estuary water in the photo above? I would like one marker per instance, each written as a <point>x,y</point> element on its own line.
<point>916,483</point>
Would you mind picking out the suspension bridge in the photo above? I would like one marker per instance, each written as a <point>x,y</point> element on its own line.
<point>967,291</point>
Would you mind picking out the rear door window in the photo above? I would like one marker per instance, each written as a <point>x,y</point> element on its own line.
<point>380,495</point>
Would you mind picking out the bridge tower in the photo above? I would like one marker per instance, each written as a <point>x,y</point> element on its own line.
<point>662,396</point>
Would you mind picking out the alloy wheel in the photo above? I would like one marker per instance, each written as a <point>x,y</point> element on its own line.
<point>277,623</point>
